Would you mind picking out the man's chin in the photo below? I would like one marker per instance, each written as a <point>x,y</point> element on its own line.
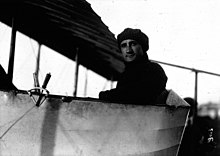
<point>130,59</point>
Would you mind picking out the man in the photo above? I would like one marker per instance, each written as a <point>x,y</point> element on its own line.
<point>197,138</point>
<point>142,81</point>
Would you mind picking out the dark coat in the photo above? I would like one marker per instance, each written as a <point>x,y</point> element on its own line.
<point>140,83</point>
<point>194,141</point>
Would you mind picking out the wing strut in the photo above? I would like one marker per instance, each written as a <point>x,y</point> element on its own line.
<point>12,51</point>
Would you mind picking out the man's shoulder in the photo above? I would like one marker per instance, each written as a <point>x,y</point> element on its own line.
<point>154,65</point>
<point>156,68</point>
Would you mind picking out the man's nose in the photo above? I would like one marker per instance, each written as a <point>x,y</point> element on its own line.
<point>128,49</point>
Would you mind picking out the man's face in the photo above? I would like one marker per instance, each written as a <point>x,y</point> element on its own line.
<point>131,50</point>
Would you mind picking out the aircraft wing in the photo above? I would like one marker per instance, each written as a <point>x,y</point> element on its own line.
<point>64,26</point>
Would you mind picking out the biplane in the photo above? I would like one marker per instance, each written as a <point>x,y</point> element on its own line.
<point>35,122</point>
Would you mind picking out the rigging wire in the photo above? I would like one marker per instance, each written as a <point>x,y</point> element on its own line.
<point>34,52</point>
<point>16,121</point>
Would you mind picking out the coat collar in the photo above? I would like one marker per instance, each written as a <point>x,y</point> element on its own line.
<point>144,59</point>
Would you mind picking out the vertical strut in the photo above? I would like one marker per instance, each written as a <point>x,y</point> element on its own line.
<point>12,51</point>
<point>76,72</point>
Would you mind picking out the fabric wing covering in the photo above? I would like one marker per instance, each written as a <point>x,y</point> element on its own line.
<point>65,26</point>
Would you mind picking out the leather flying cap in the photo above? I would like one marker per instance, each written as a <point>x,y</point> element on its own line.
<point>134,34</point>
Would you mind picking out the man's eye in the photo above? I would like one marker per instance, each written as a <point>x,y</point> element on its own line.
<point>134,43</point>
<point>123,45</point>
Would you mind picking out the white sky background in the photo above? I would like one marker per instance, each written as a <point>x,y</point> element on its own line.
<point>185,33</point>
